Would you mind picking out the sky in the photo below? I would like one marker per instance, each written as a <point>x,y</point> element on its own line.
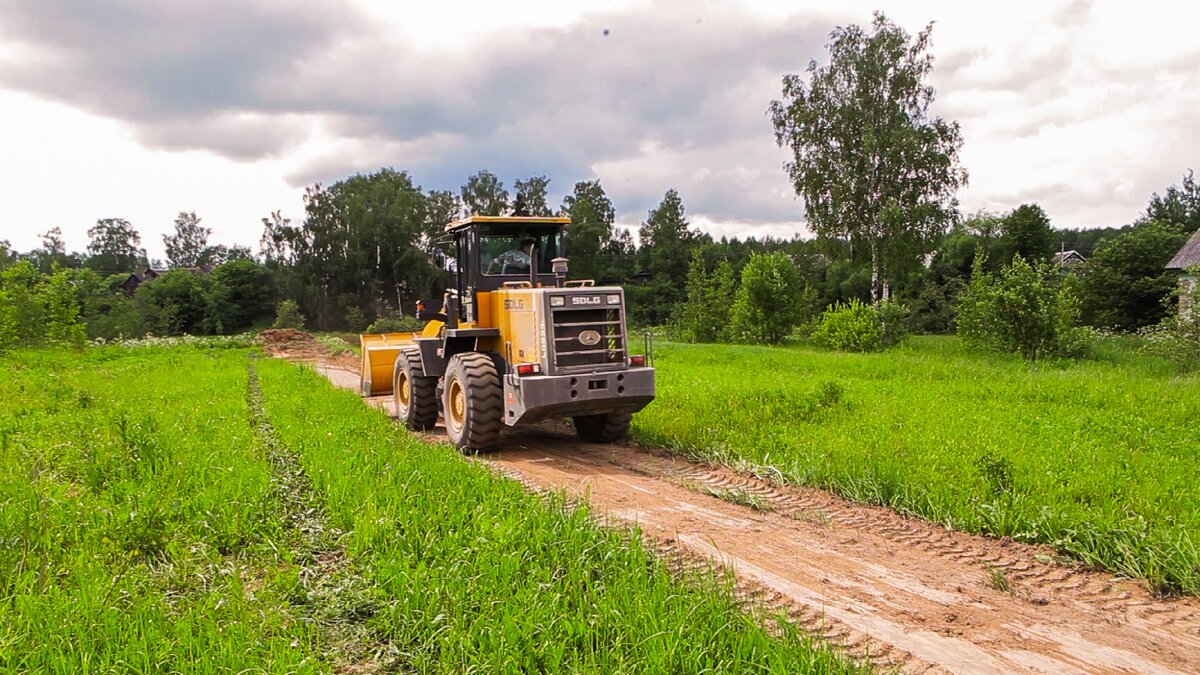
<point>139,109</point>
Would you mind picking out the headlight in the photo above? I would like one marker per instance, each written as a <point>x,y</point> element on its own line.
<point>557,301</point>
<point>614,299</point>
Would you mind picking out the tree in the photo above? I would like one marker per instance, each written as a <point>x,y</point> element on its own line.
<point>531,197</point>
<point>115,247</point>
<point>1027,233</point>
<point>188,247</point>
<point>1180,205</point>
<point>483,194</point>
<point>868,159</point>
<point>666,247</point>
<point>1025,309</point>
<point>7,255</point>
<point>771,300</point>
<point>1126,283</point>
<point>590,233</point>
<point>174,303</point>
<point>442,207</point>
<point>239,296</point>
<point>704,316</point>
<point>53,253</point>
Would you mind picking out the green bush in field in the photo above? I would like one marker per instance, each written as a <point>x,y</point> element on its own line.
<point>894,321</point>
<point>38,309</point>
<point>356,320</point>
<point>1027,310</point>
<point>772,300</point>
<point>287,315</point>
<point>854,327</point>
<point>399,324</point>
<point>1177,338</point>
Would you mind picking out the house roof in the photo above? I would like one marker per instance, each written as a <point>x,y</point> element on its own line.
<point>1188,256</point>
<point>1072,256</point>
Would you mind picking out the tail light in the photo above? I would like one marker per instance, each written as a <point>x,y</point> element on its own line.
<point>637,361</point>
<point>528,369</point>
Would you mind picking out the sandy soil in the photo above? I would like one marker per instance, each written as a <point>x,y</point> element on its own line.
<point>899,592</point>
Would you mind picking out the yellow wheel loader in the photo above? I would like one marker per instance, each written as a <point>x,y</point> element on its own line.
<point>513,342</point>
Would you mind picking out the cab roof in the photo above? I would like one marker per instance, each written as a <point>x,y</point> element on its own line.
<point>508,220</point>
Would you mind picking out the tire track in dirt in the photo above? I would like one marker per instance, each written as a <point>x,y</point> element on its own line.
<point>897,591</point>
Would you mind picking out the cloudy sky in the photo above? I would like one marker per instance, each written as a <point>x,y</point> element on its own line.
<point>141,108</point>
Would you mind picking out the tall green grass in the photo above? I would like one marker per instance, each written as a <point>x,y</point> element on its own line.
<point>479,576</point>
<point>137,519</point>
<point>1100,459</point>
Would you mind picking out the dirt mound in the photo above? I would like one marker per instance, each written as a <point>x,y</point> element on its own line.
<point>291,344</point>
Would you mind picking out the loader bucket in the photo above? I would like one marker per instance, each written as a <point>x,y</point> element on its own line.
<point>379,352</point>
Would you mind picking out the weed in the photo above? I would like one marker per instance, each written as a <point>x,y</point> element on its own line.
<point>739,496</point>
<point>999,579</point>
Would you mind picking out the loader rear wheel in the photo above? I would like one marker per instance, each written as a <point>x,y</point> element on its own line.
<point>603,428</point>
<point>473,405</point>
<point>415,395</point>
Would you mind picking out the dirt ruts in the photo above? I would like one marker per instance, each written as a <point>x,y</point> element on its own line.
<point>896,591</point>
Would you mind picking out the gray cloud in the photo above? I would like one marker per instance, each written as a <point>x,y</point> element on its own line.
<point>671,95</point>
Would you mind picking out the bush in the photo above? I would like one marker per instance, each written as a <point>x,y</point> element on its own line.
<point>402,324</point>
<point>240,296</point>
<point>855,327</point>
<point>356,320</point>
<point>287,315</point>
<point>895,322</point>
<point>1031,311</point>
<point>1177,338</point>
<point>772,299</point>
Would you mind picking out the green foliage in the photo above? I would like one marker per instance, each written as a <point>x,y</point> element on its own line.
<point>399,324</point>
<point>38,309</point>
<point>356,320</point>
<point>189,245</point>
<point>531,197</point>
<point>239,296</point>
<point>287,315</point>
<point>705,315</point>
<point>1027,233</point>
<point>115,247</point>
<point>484,194</point>
<point>174,303</point>
<point>1177,338</point>
<point>1180,205</point>
<point>854,327</point>
<point>591,241</point>
<point>667,244</point>
<point>866,113</point>
<point>895,321</point>
<point>1126,283</point>
<point>771,300</point>
<point>1093,458</point>
<point>1031,311</point>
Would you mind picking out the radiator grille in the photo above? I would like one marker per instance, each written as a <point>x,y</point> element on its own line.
<point>571,353</point>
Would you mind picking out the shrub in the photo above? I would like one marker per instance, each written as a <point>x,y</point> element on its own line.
<point>287,315</point>
<point>240,295</point>
<point>1031,311</point>
<point>356,320</point>
<point>772,299</point>
<point>402,324</point>
<point>1177,338</point>
<point>895,322</point>
<point>854,327</point>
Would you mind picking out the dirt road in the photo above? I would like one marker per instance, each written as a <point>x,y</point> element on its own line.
<point>894,590</point>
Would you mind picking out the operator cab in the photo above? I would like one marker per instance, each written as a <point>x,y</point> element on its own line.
<point>491,251</point>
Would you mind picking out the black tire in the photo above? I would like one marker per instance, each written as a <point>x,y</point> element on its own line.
<point>415,395</point>
<point>604,428</point>
<point>473,403</point>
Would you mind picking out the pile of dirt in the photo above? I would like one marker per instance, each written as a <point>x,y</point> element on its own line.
<point>290,343</point>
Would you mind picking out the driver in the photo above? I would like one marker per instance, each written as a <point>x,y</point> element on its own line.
<point>514,261</point>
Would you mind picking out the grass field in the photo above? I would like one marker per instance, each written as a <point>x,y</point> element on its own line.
<point>1100,459</point>
<point>188,509</point>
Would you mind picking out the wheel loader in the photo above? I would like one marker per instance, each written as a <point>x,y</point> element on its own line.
<point>514,342</point>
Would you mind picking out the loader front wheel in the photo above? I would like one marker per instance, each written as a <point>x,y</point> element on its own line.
<point>473,405</point>
<point>415,395</point>
<point>603,428</point>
